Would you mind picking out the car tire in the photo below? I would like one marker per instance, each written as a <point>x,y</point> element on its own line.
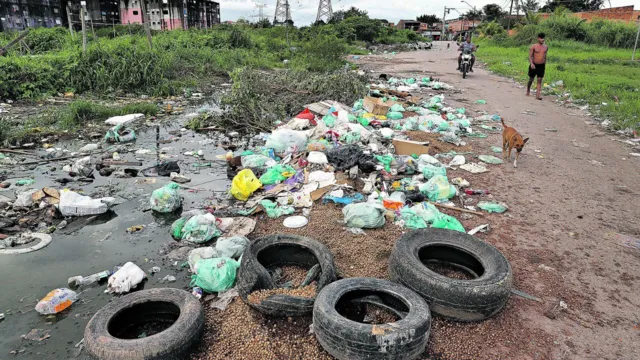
<point>107,335</point>
<point>460,300</point>
<point>282,250</point>
<point>347,339</point>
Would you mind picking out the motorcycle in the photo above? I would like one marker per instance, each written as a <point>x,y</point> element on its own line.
<point>465,65</point>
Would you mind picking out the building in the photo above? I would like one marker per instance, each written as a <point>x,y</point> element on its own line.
<point>163,14</point>
<point>409,25</point>
<point>621,13</point>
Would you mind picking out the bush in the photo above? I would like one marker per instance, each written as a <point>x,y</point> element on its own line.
<point>491,29</point>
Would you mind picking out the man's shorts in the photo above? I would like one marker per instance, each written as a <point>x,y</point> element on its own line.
<point>538,71</point>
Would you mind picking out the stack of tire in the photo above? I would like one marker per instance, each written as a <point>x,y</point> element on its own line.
<point>414,292</point>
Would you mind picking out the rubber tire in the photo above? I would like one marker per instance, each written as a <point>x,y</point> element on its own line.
<point>173,343</point>
<point>281,250</point>
<point>460,300</point>
<point>464,71</point>
<point>345,339</point>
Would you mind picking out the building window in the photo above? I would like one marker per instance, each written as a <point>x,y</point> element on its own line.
<point>135,12</point>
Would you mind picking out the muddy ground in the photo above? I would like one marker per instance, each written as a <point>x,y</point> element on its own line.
<point>567,205</point>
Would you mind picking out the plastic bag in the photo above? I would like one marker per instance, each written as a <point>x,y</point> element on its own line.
<point>274,211</point>
<point>429,171</point>
<point>322,178</point>
<point>163,169</point>
<point>364,215</point>
<point>493,207</point>
<point>125,279</point>
<point>394,115</point>
<point>244,184</point>
<point>490,159</point>
<point>200,229</point>
<point>395,201</point>
<point>344,157</point>
<point>257,161</point>
<point>358,105</point>
<point>345,200</point>
<point>457,160</point>
<point>406,164</point>
<point>231,247</point>
<point>215,275</point>
<point>396,108</point>
<point>82,166</point>
<point>411,219</point>
<point>329,120</point>
<point>444,221</point>
<point>387,133</point>
<point>120,133</point>
<point>410,124</point>
<point>426,159</point>
<point>427,212</point>
<point>164,200</point>
<point>438,188</point>
<point>386,160</point>
<point>178,225</point>
<point>281,139</point>
<point>277,174</point>
<point>351,137</point>
<point>317,157</point>
<point>198,254</point>
<point>318,145</point>
<point>25,199</point>
<point>56,301</point>
<point>123,119</point>
<point>74,204</point>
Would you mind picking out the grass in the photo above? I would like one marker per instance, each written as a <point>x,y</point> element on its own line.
<point>602,77</point>
<point>73,116</point>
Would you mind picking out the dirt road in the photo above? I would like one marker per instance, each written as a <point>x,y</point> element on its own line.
<point>572,192</point>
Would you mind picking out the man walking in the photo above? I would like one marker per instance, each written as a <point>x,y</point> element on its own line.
<point>537,62</point>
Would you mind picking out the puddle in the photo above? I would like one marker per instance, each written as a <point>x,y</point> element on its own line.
<point>103,243</point>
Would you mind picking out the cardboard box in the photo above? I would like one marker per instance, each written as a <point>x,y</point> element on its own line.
<point>408,147</point>
<point>376,106</point>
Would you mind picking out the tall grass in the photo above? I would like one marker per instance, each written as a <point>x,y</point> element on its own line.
<point>602,77</point>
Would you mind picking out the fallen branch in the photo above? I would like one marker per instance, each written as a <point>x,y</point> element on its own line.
<point>458,209</point>
<point>46,161</point>
<point>16,152</point>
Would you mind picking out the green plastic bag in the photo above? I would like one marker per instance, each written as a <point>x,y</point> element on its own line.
<point>247,152</point>
<point>364,122</point>
<point>200,228</point>
<point>411,219</point>
<point>274,211</point>
<point>410,81</point>
<point>120,133</point>
<point>393,81</point>
<point>461,110</point>
<point>358,105</point>
<point>430,170</point>
<point>364,215</point>
<point>277,174</point>
<point>493,207</point>
<point>481,102</point>
<point>444,221</point>
<point>427,211</point>
<point>490,159</point>
<point>244,184</point>
<point>410,124</point>
<point>350,137</point>
<point>166,199</point>
<point>396,108</point>
<point>215,275</point>
<point>386,160</point>
<point>444,126</point>
<point>426,80</point>
<point>438,188</point>
<point>496,149</point>
<point>394,115</point>
<point>329,120</point>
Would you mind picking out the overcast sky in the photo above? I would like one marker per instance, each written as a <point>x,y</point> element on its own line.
<point>304,12</point>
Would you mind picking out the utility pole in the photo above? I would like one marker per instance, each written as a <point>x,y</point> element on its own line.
<point>282,14</point>
<point>83,10</point>
<point>633,57</point>
<point>446,11</point>
<point>509,21</point>
<point>324,10</point>
<point>145,21</point>
<point>184,15</point>
<point>69,21</point>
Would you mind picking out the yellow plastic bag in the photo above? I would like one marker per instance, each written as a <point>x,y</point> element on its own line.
<point>244,184</point>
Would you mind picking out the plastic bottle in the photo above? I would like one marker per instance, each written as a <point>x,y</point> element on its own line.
<point>77,281</point>
<point>476,192</point>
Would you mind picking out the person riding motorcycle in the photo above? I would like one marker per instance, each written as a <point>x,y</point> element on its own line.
<point>467,45</point>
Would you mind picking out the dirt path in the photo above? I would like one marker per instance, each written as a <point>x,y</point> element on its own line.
<point>572,192</point>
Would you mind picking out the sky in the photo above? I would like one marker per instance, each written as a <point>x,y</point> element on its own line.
<point>303,12</point>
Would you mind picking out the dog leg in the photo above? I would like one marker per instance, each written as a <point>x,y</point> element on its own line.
<point>504,148</point>
<point>509,153</point>
<point>515,162</point>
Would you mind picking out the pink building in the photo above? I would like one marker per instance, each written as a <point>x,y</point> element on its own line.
<point>169,14</point>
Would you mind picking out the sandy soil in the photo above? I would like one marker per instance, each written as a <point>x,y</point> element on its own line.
<point>559,235</point>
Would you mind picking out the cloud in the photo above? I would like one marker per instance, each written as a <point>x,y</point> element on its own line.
<point>303,12</point>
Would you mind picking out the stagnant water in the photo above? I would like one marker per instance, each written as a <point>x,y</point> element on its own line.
<point>101,245</point>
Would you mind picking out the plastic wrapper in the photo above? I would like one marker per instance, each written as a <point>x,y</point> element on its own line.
<point>200,229</point>
<point>244,184</point>
<point>364,215</point>
<point>438,188</point>
<point>56,301</point>
<point>215,275</point>
<point>164,200</point>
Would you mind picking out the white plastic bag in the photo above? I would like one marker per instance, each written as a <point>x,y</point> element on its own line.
<point>124,119</point>
<point>257,161</point>
<point>82,166</point>
<point>386,133</point>
<point>281,139</point>
<point>322,178</point>
<point>365,134</point>
<point>457,160</point>
<point>74,204</point>
<point>317,157</point>
<point>125,279</point>
<point>200,229</point>
<point>200,253</point>
<point>231,247</point>
<point>56,301</point>
<point>24,199</point>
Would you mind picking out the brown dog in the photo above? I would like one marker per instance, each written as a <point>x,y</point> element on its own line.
<point>512,139</point>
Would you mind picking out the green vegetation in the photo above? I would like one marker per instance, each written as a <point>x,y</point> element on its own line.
<point>592,74</point>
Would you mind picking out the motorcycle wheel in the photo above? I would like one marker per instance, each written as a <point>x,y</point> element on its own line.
<point>464,71</point>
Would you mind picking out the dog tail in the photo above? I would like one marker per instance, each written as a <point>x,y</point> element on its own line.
<point>503,124</point>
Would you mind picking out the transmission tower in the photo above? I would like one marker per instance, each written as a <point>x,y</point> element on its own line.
<point>324,10</point>
<point>283,13</point>
<point>260,15</point>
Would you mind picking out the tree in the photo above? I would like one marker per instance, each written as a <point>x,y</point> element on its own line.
<point>473,14</point>
<point>530,6</point>
<point>429,19</point>
<point>341,15</point>
<point>493,12</point>
<point>573,5</point>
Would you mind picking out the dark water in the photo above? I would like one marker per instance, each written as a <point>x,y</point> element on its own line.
<point>101,245</point>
